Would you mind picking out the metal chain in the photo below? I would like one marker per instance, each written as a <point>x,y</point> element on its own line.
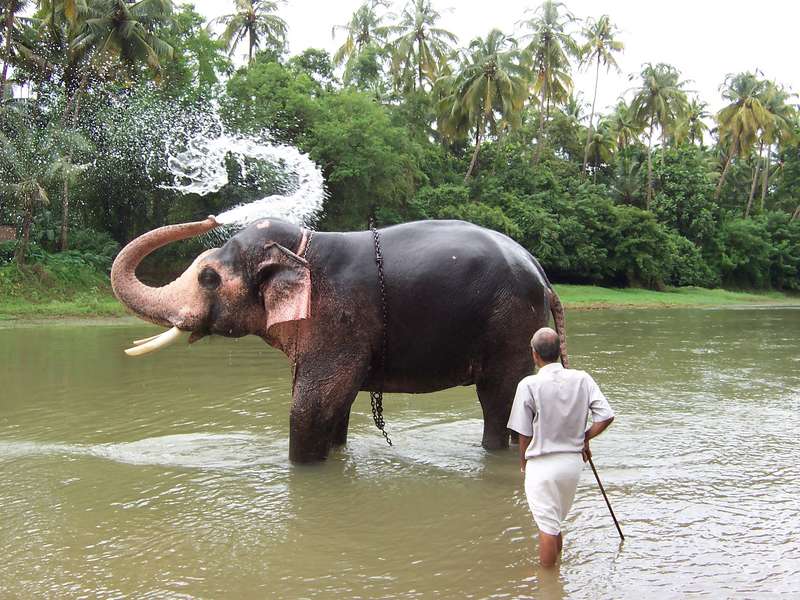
<point>376,397</point>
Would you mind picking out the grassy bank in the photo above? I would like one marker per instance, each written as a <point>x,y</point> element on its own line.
<point>59,289</point>
<point>61,286</point>
<point>590,296</point>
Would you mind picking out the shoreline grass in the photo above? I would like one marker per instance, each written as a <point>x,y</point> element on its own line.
<point>587,297</point>
<point>101,303</point>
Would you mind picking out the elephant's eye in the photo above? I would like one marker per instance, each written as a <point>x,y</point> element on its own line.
<point>209,279</point>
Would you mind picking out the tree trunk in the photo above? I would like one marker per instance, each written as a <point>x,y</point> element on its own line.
<point>70,120</point>
<point>64,244</point>
<point>540,141</point>
<point>250,49</point>
<point>721,181</point>
<point>7,52</point>
<point>796,214</point>
<point>755,180</point>
<point>419,62</point>
<point>22,245</point>
<point>649,195</point>
<point>474,160</point>
<point>765,178</point>
<point>591,119</point>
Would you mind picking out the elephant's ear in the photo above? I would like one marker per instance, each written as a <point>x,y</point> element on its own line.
<point>285,285</point>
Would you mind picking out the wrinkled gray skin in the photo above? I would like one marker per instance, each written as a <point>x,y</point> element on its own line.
<point>463,303</point>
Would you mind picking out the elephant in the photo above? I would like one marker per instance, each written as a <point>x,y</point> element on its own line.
<point>458,307</point>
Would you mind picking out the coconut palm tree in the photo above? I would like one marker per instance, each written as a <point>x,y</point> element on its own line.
<point>125,31</point>
<point>691,127</point>
<point>9,15</point>
<point>32,157</point>
<point>550,48</point>
<point>95,36</point>
<point>628,177</point>
<point>739,123</point>
<point>598,48</point>
<point>624,125</point>
<point>491,80</point>
<point>659,102</point>
<point>364,29</point>
<point>420,50</point>
<point>779,129</point>
<point>255,20</point>
<point>601,146</point>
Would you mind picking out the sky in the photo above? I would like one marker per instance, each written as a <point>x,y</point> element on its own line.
<point>704,39</point>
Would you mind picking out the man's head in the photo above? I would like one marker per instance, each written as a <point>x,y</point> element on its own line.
<point>546,346</point>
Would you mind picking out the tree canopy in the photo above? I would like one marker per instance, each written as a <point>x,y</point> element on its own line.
<point>405,124</point>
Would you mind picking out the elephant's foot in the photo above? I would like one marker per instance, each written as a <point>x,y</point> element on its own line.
<point>310,434</point>
<point>306,453</point>
<point>493,439</point>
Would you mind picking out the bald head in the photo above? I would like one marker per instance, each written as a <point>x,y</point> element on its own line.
<point>546,344</point>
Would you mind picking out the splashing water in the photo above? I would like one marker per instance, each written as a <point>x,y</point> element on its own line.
<point>200,167</point>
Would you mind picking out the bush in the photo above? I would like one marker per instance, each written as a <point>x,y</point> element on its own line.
<point>688,265</point>
<point>96,247</point>
<point>642,253</point>
<point>785,255</point>
<point>481,214</point>
<point>7,250</point>
<point>430,201</point>
<point>746,250</point>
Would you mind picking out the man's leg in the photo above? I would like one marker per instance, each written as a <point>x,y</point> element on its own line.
<point>549,549</point>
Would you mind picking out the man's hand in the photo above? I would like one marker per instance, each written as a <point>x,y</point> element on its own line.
<point>593,431</point>
<point>524,442</point>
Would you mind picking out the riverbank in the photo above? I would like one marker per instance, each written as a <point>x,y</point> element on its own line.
<point>98,301</point>
<point>60,286</point>
<point>588,297</point>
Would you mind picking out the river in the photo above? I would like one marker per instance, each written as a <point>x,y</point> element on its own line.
<point>167,476</point>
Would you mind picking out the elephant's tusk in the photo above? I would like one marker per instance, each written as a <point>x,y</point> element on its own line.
<point>145,340</point>
<point>156,343</point>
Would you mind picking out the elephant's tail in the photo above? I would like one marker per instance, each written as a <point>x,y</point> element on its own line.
<point>561,326</point>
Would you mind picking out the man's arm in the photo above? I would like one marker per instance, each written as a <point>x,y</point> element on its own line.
<point>524,442</point>
<point>521,419</point>
<point>602,415</point>
<point>593,431</point>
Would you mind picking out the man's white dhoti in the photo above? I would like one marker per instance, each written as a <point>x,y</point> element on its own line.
<point>550,484</point>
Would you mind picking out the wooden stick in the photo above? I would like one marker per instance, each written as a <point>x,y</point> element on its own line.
<point>611,510</point>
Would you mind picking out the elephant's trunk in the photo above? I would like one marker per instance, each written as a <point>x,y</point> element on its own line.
<point>162,305</point>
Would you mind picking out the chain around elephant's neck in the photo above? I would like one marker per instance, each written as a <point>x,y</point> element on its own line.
<point>376,397</point>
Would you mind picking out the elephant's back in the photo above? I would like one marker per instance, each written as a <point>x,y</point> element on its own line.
<point>456,292</point>
<point>443,255</point>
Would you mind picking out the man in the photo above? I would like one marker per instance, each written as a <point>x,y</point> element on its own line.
<point>550,413</point>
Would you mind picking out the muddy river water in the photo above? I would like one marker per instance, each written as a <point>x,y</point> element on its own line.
<point>167,476</point>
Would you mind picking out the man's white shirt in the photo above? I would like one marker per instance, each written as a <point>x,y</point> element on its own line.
<point>553,408</point>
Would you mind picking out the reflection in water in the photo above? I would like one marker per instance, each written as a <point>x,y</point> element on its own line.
<point>168,476</point>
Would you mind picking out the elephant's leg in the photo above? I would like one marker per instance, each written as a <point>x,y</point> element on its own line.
<point>340,432</point>
<point>493,395</point>
<point>496,389</point>
<point>323,395</point>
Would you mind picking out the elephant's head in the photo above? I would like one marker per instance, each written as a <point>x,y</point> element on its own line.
<point>248,285</point>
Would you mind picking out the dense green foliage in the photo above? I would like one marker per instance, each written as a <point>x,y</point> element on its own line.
<point>409,127</point>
